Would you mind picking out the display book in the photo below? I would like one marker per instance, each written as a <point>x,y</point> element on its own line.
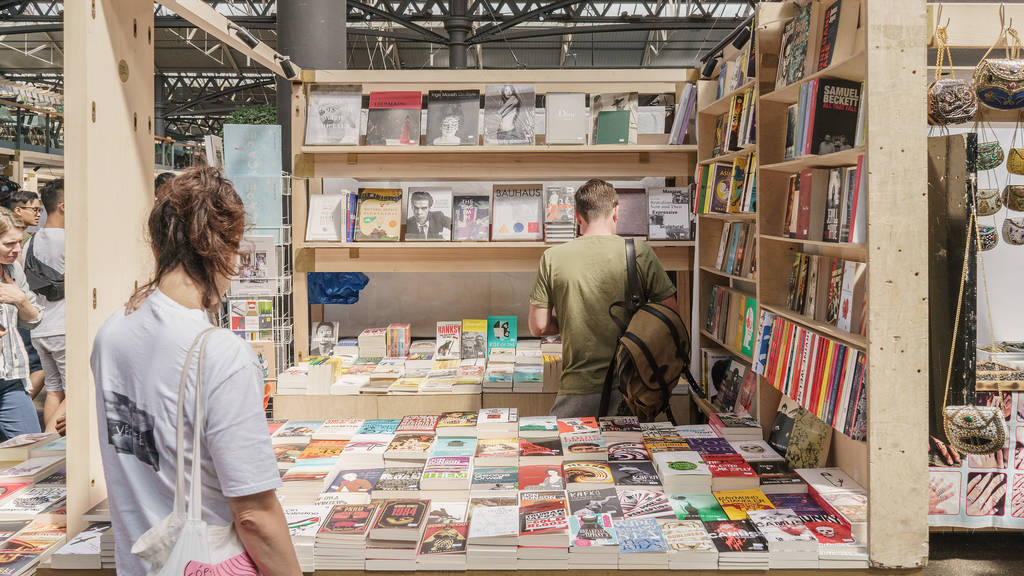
<point>724,187</point>
<point>737,127</point>
<point>737,254</point>
<point>394,118</point>
<point>537,516</point>
<point>830,290</point>
<point>827,205</point>
<point>731,318</point>
<point>33,492</point>
<point>819,35</point>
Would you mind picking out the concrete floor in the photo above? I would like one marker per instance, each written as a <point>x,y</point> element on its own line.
<point>977,554</point>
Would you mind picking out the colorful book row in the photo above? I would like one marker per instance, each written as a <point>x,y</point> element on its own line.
<point>727,188</point>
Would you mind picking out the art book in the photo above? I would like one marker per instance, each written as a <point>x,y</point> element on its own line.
<point>393,118</point>
<point>640,535</point>
<point>333,114</point>
<point>257,267</point>
<point>518,212</point>
<point>453,117</point>
<point>619,123</point>
<point>696,507</point>
<point>472,217</point>
<point>474,339</point>
<point>449,340</point>
<point>585,475</point>
<point>379,215</point>
<point>508,114</point>
<point>538,448</point>
<point>668,211</point>
<point>644,503</point>
<point>502,333</point>
<point>429,214</point>
<point>566,117</point>
<point>737,503</point>
<point>592,531</point>
<point>595,501</point>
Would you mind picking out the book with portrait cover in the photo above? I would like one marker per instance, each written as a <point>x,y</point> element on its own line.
<point>359,481</point>
<point>453,117</point>
<point>444,539</point>
<point>566,117</point>
<point>835,115</point>
<point>429,214</point>
<point>541,477</point>
<point>594,500</point>
<point>474,339</point>
<point>736,536</point>
<point>472,218</point>
<point>379,215</point>
<point>393,118</point>
<point>518,212</point>
<point>509,114</point>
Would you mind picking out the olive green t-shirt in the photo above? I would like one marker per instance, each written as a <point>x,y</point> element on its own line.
<point>580,280</point>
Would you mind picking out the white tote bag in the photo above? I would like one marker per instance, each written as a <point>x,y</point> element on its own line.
<point>182,543</point>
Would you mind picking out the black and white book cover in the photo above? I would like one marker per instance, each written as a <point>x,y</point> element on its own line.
<point>508,114</point>
<point>592,502</point>
<point>835,115</point>
<point>429,214</point>
<point>333,114</point>
<point>668,210</point>
<point>453,117</point>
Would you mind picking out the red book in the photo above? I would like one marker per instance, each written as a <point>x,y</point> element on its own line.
<point>803,217</point>
<point>573,425</point>
<point>541,477</point>
<point>828,529</point>
<point>773,350</point>
<point>728,466</point>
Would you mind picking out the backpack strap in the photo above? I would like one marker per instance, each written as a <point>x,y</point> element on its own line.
<point>634,300</point>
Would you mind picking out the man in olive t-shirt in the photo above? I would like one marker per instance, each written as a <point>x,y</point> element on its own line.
<point>578,281</point>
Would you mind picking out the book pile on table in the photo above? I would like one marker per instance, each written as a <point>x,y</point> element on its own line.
<point>341,540</point>
<point>395,534</point>
<point>493,537</point>
<point>303,525</point>
<point>443,544</point>
<point>84,551</point>
<point>689,545</point>
<point>740,545</point>
<point>790,543</point>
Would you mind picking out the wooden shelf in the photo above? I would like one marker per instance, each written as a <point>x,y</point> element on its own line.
<point>717,272</point>
<point>842,158</point>
<point>492,149</point>
<point>744,150</point>
<point>730,216</point>
<point>731,349</point>
<point>845,250</point>
<point>414,245</point>
<point>855,340</point>
<point>721,106</point>
<point>853,68</point>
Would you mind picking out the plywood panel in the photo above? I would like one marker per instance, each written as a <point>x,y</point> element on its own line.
<point>537,404</point>
<point>109,192</point>
<point>398,406</point>
<point>300,407</point>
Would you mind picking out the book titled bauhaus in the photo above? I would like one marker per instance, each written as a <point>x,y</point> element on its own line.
<point>518,212</point>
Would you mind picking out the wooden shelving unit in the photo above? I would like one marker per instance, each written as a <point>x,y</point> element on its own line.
<point>723,274</point>
<point>841,158</point>
<point>730,156</point>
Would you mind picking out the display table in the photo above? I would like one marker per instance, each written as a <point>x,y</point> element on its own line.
<point>46,571</point>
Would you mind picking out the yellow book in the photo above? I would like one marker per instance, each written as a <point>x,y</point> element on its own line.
<point>819,409</point>
<point>737,503</point>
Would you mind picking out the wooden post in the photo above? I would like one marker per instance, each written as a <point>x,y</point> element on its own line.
<point>108,64</point>
<point>898,284</point>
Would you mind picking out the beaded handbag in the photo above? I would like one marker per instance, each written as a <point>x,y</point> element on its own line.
<point>950,100</point>
<point>999,82</point>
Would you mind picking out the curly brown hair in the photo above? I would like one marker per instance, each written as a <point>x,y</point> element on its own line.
<point>197,222</point>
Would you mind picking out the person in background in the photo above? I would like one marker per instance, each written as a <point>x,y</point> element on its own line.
<point>44,268</point>
<point>161,179</point>
<point>26,206</point>
<point>138,357</point>
<point>18,309</point>
<point>578,281</point>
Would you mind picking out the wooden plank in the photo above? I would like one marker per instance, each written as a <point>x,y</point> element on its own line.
<point>824,328</point>
<point>844,250</point>
<point>973,25</point>
<point>724,103</point>
<point>397,406</point>
<point>534,404</point>
<point>645,81</point>
<point>841,158</point>
<point>495,149</point>
<point>851,68</point>
<point>897,217</point>
<point>306,407</point>
<point>109,88</point>
<point>46,571</point>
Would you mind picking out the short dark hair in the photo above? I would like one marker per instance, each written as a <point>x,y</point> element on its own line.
<point>17,197</point>
<point>595,199</point>
<point>52,195</point>
<point>420,195</point>
<point>197,223</point>
<point>161,179</point>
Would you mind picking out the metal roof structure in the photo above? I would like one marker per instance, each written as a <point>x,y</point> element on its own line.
<point>204,80</point>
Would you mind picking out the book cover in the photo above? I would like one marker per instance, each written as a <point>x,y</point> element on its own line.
<point>418,423</point>
<point>323,449</point>
<point>472,218</point>
<point>360,480</point>
<point>444,539</point>
<point>541,477</point>
<point>592,531</point>
<point>828,528</point>
<point>518,212</point>
<point>27,546</point>
<point>668,211</point>
<point>447,468</point>
<point>561,206</point>
<point>835,291</point>
<point>262,197</point>
<point>252,150</point>
<point>711,446</point>
<point>543,517</point>
<point>506,447</point>
<point>453,117</point>
<point>474,339</point>
<point>633,220</point>
<point>393,118</point>
<point>616,424</point>
<point>538,447</point>
<point>634,474</point>
<point>780,525</point>
<point>686,536</point>
<point>399,479</point>
<point>728,465</point>
<point>794,47</point>
<point>696,507</point>
<point>612,127</point>
<point>583,444</point>
<point>574,425</point>
<point>503,478</point>
<point>801,503</point>
<point>502,332</point>
<point>348,519</point>
<point>460,420</point>
<point>407,514</point>
<point>536,426</point>
<point>379,426</point>
<point>449,341</point>
<point>257,267</point>
<point>737,503</point>
<point>749,326</point>
<point>565,117</point>
<point>585,473</point>
<point>637,535</point>
<point>736,536</point>
<point>835,115</point>
<point>509,113</point>
<point>379,214</point>
<point>720,188</point>
<point>613,102</point>
<point>644,502</point>
<point>627,451</point>
<point>296,429</point>
<point>333,114</point>
<point>429,214</point>
<point>595,501</point>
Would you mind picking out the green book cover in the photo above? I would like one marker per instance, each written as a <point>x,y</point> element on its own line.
<point>612,127</point>
<point>749,327</point>
<point>696,507</point>
<point>501,332</point>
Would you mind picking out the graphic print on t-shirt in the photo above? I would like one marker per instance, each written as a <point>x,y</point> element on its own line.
<point>130,429</point>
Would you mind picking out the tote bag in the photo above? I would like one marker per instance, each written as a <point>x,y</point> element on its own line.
<point>182,543</point>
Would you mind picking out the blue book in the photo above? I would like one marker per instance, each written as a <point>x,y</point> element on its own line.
<point>351,202</point>
<point>501,332</point>
<point>252,150</point>
<point>638,535</point>
<point>380,426</point>
<point>262,196</point>
<point>361,480</point>
<point>504,478</point>
<point>734,238</point>
<point>764,341</point>
<point>453,446</point>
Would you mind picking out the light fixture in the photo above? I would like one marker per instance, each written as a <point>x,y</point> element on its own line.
<point>741,38</point>
<point>540,17</point>
<point>709,67</point>
<point>286,66</point>
<point>244,35</point>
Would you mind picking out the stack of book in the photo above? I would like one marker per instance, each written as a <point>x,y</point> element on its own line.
<point>683,472</point>
<point>740,546</point>
<point>543,531</point>
<point>733,427</point>
<point>497,423</point>
<point>839,495</point>
<point>641,545</point>
<point>593,541</point>
<point>83,552</point>
<point>373,343</point>
<point>560,214</point>
<point>790,543</point>
<point>493,533</point>
<point>443,544</point>
<point>303,525</point>
<point>689,545</point>
<point>341,541</point>
<point>395,533</point>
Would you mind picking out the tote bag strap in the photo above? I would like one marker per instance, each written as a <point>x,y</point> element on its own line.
<point>193,511</point>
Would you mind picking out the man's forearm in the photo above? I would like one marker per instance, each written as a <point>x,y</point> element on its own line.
<point>27,311</point>
<point>264,534</point>
<point>551,328</point>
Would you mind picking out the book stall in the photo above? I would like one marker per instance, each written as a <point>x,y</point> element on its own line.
<point>777,190</point>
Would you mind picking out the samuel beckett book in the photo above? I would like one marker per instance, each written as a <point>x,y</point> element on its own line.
<point>394,119</point>
<point>453,117</point>
<point>518,212</point>
<point>508,114</point>
<point>379,214</point>
<point>333,114</point>
<point>669,212</point>
<point>472,218</point>
<point>566,118</point>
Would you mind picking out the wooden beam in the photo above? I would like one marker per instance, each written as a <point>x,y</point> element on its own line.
<point>206,18</point>
<point>108,80</point>
<point>897,217</point>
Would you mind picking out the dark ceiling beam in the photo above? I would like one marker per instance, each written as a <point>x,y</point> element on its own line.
<point>634,24</point>
<point>427,33</point>
<point>215,95</point>
<point>531,15</point>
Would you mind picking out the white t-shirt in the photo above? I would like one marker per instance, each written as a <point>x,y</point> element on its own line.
<point>48,245</point>
<point>136,363</point>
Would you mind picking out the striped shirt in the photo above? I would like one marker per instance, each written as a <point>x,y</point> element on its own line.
<point>15,357</point>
